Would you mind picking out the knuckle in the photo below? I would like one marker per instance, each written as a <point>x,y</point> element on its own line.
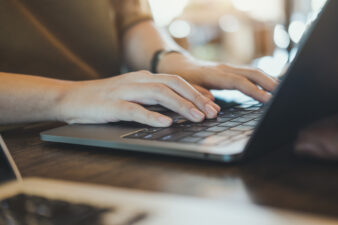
<point>177,80</point>
<point>128,109</point>
<point>145,72</point>
<point>200,98</point>
<point>236,81</point>
<point>185,105</point>
<point>159,91</point>
<point>159,87</point>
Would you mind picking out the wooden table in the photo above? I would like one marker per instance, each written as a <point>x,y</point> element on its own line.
<point>279,179</point>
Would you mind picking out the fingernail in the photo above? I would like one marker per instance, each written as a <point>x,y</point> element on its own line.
<point>210,111</point>
<point>165,121</point>
<point>267,97</point>
<point>217,107</point>
<point>196,114</point>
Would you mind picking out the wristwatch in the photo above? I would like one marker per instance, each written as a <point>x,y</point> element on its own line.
<point>158,55</point>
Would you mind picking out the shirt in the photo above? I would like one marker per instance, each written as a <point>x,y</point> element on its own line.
<point>66,39</point>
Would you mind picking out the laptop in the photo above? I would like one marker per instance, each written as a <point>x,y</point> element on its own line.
<point>307,93</point>
<point>36,201</point>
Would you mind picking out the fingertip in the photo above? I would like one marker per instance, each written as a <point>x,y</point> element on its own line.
<point>165,121</point>
<point>211,97</point>
<point>211,111</point>
<point>266,97</point>
<point>198,116</point>
<point>217,107</point>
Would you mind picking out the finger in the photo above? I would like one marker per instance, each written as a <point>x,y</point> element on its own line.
<point>211,97</point>
<point>204,92</point>
<point>184,89</point>
<point>133,112</point>
<point>161,94</point>
<point>245,86</point>
<point>266,82</point>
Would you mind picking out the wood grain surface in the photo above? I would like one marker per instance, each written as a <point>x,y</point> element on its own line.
<point>278,179</point>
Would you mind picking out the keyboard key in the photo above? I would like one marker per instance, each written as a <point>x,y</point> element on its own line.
<point>204,134</point>
<point>183,125</point>
<point>229,124</point>
<point>229,133</point>
<point>241,120</point>
<point>209,123</point>
<point>148,136</point>
<point>217,129</point>
<point>242,128</point>
<point>175,136</point>
<point>230,115</point>
<point>190,140</point>
<point>252,116</point>
<point>152,129</point>
<point>251,123</point>
<point>195,129</point>
<point>222,120</point>
<point>254,108</point>
<point>256,113</point>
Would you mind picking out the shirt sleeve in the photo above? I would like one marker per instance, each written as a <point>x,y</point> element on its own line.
<point>130,12</point>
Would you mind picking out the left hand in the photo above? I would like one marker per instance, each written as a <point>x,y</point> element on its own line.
<point>249,81</point>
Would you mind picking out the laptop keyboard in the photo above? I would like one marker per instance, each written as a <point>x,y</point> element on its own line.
<point>232,124</point>
<point>33,210</point>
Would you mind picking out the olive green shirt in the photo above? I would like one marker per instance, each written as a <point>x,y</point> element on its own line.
<point>66,39</point>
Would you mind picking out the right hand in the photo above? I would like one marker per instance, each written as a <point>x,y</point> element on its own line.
<point>119,98</point>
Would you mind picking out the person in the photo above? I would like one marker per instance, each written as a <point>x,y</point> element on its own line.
<point>66,41</point>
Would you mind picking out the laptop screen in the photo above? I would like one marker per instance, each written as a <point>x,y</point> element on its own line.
<point>6,171</point>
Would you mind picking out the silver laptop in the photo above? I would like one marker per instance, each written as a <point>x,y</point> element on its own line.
<point>242,130</point>
<point>37,201</point>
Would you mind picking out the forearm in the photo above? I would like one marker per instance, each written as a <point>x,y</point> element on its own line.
<point>142,41</point>
<point>26,98</point>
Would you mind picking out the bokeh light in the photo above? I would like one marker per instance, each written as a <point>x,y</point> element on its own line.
<point>281,36</point>
<point>296,30</point>
<point>180,29</point>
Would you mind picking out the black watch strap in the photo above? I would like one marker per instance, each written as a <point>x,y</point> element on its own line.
<point>157,57</point>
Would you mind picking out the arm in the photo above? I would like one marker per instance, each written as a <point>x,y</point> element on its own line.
<point>29,98</point>
<point>144,39</point>
<point>26,98</point>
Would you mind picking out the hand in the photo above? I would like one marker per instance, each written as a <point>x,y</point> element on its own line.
<point>119,98</point>
<point>204,92</point>
<point>251,82</point>
<point>320,139</point>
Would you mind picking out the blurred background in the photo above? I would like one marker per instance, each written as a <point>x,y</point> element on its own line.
<point>261,33</point>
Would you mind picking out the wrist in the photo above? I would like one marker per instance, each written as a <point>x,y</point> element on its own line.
<point>61,104</point>
<point>180,64</point>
